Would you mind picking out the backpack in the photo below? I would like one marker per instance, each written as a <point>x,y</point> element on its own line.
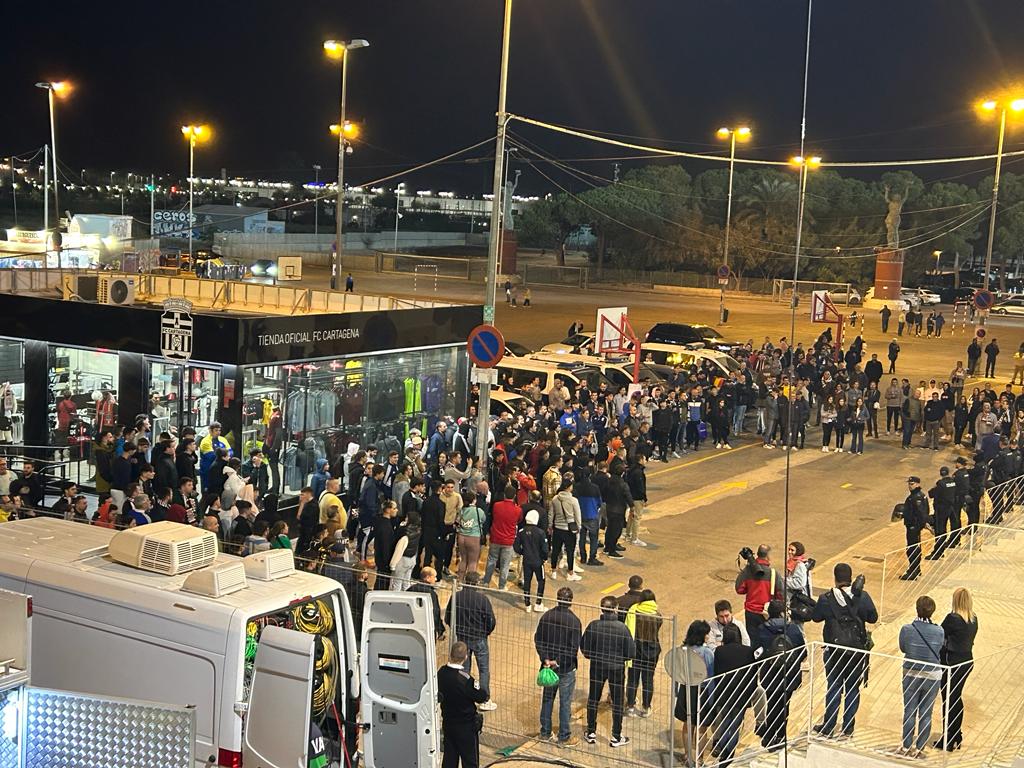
<point>849,629</point>
<point>778,645</point>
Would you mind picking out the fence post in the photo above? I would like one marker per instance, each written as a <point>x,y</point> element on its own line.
<point>670,716</point>
<point>453,627</point>
<point>947,682</point>
<point>970,549</point>
<point>811,647</point>
<point>881,589</point>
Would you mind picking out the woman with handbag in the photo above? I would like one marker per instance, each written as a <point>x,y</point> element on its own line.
<point>921,642</point>
<point>961,628</point>
<point>798,584</point>
<point>565,527</point>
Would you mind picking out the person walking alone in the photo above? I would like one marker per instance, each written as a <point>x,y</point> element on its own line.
<point>991,353</point>
<point>894,352</point>
<point>885,313</point>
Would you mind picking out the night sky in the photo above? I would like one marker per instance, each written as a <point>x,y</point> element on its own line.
<point>889,79</point>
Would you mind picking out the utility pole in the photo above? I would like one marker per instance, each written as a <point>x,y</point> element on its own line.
<point>14,193</point>
<point>316,202</point>
<point>491,288</point>
<point>152,202</point>
<point>46,187</point>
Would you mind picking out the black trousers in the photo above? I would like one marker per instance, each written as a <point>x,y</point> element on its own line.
<point>913,553</point>
<point>616,522</point>
<point>990,367</point>
<point>559,539</point>
<point>461,745</point>
<point>753,622</point>
<point>942,538</point>
<point>599,674</point>
<point>959,674</point>
<point>641,674</point>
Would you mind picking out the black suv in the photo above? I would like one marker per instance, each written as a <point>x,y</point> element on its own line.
<point>690,333</point>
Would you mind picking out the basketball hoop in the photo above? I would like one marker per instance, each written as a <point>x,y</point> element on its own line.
<point>616,336</point>
<point>824,311</point>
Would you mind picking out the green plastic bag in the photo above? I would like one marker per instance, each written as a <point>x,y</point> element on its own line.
<point>547,677</point>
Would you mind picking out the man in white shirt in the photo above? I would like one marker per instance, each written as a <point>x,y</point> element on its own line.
<point>723,616</point>
<point>6,478</point>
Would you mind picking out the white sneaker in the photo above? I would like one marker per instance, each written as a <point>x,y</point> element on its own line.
<point>638,543</point>
<point>576,567</point>
<point>728,446</point>
<point>839,450</point>
<point>539,608</point>
<point>527,607</point>
<point>718,445</point>
<point>824,449</point>
<point>553,575</point>
<point>675,455</point>
<point>574,577</point>
<point>488,706</point>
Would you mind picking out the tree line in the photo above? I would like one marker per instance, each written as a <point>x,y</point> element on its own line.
<point>659,217</point>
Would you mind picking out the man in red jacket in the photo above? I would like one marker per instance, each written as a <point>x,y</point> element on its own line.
<point>505,516</point>
<point>761,584</point>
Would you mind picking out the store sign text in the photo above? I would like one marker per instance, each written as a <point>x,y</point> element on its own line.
<point>306,337</point>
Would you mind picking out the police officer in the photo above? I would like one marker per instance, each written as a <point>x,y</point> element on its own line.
<point>979,479</point>
<point>963,494</point>
<point>915,517</point>
<point>459,694</point>
<point>943,497</point>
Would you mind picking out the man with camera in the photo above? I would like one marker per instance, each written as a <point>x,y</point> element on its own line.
<point>845,609</point>
<point>760,583</point>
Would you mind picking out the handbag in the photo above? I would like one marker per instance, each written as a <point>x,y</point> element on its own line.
<point>801,606</point>
<point>547,677</point>
<point>573,527</point>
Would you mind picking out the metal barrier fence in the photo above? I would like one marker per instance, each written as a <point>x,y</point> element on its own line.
<point>782,290</point>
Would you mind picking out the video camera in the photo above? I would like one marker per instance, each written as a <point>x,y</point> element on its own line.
<point>746,555</point>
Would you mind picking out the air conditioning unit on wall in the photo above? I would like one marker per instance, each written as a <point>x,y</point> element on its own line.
<point>119,291</point>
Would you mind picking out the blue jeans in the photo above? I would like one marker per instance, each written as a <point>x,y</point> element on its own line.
<point>918,700</point>
<point>738,416</point>
<point>844,673</point>
<point>589,531</point>
<point>565,689</point>
<point>908,431</point>
<point>499,555</point>
<point>479,649</point>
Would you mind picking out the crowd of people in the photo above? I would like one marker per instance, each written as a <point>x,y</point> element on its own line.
<point>564,491</point>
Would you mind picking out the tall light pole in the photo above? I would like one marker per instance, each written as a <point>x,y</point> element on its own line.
<point>491,287</point>
<point>193,134</point>
<point>732,134</point>
<point>991,105</point>
<point>316,202</point>
<point>398,211</point>
<point>339,49</point>
<point>60,88</point>
<point>804,164</point>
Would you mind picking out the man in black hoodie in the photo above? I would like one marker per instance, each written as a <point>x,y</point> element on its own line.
<point>617,501</point>
<point>608,646</point>
<point>636,478</point>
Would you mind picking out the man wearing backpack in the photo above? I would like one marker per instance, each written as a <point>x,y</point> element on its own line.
<point>779,674</point>
<point>845,609</point>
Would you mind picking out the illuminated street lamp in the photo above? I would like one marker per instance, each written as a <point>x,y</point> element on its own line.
<point>938,255</point>
<point>193,134</point>
<point>59,89</point>
<point>804,164</point>
<point>1011,104</point>
<point>741,133</point>
<point>339,49</point>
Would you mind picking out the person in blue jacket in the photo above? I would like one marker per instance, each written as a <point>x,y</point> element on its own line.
<point>208,451</point>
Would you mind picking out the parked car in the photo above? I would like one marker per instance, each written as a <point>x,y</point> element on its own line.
<point>928,298</point>
<point>502,401</point>
<point>577,344</point>
<point>895,305</point>
<point>1014,306</point>
<point>515,349</point>
<point>690,333</point>
<point>950,295</point>
<point>840,296</point>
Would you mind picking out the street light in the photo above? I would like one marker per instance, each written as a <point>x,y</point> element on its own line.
<point>937,254</point>
<point>1002,105</point>
<point>58,89</point>
<point>805,164</point>
<point>339,49</point>
<point>741,133</point>
<point>316,202</point>
<point>193,134</point>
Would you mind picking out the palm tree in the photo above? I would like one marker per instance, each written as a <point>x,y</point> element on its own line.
<point>768,198</point>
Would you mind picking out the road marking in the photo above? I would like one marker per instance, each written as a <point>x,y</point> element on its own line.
<point>721,489</point>
<point>613,587</point>
<point>701,460</point>
<point>846,485</point>
<point>762,521</point>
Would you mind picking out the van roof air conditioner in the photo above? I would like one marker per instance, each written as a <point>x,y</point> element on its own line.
<point>166,547</point>
<point>270,565</point>
<point>217,580</point>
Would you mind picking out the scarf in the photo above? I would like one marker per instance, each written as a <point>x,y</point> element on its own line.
<point>645,607</point>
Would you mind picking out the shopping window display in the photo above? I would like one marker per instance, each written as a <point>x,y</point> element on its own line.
<point>181,396</point>
<point>82,393</point>
<point>326,406</point>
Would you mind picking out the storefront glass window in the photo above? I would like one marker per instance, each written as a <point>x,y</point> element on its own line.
<point>182,396</point>
<point>90,376</point>
<point>327,405</point>
<point>12,391</point>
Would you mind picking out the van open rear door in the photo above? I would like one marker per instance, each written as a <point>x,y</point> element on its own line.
<point>280,699</point>
<point>399,682</point>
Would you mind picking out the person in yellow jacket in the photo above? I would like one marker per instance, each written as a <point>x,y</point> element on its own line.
<point>644,623</point>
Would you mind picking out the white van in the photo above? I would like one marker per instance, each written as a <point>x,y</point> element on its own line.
<point>687,355</point>
<point>517,372</point>
<point>618,370</point>
<point>106,628</point>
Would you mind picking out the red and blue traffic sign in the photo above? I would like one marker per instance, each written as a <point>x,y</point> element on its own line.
<point>486,346</point>
<point>984,299</point>
<point>723,271</point>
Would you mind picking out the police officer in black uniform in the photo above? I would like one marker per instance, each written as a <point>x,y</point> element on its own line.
<point>979,481</point>
<point>943,497</point>
<point>963,493</point>
<point>915,517</point>
<point>459,694</point>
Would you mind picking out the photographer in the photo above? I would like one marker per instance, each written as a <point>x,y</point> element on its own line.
<point>845,609</point>
<point>760,582</point>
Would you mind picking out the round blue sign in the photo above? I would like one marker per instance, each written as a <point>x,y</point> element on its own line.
<point>486,346</point>
<point>984,299</point>
<point>723,271</point>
